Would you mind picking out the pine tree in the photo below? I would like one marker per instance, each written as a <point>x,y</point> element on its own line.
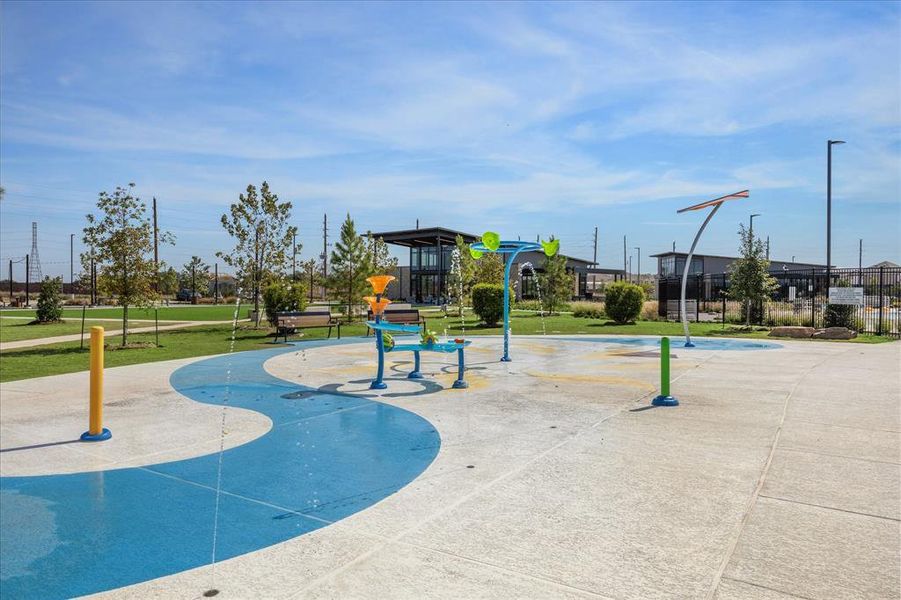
<point>749,275</point>
<point>350,266</point>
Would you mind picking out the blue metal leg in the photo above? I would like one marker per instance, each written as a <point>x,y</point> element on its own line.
<point>415,374</point>
<point>378,384</point>
<point>507,266</point>
<point>459,383</point>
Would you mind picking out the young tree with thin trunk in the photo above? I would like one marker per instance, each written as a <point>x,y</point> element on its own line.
<point>749,275</point>
<point>350,266</point>
<point>196,274</point>
<point>258,223</point>
<point>556,283</point>
<point>121,241</point>
<point>460,277</point>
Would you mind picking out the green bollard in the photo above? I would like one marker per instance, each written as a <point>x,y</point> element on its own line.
<point>664,399</point>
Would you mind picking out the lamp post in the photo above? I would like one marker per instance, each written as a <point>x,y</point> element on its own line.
<point>751,228</point>
<point>72,265</point>
<point>829,145</point>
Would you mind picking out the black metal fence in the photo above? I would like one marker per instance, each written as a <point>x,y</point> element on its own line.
<point>800,299</point>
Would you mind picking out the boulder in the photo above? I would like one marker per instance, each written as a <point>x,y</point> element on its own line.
<point>835,333</point>
<point>793,332</point>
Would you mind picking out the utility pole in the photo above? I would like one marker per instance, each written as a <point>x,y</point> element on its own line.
<point>595,246</point>
<point>860,261</point>
<point>193,285</point>
<point>10,281</point>
<point>630,268</point>
<point>156,241</point>
<point>674,246</point>
<point>325,251</point>
<point>639,263</point>
<point>625,271</point>
<point>72,265</point>
<point>768,247</point>
<point>294,257</point>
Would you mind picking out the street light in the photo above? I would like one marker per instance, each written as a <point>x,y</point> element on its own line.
<point>752,226</point>
<point>829,145</point>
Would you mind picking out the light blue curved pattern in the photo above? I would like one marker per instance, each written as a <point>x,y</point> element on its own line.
<point>326,457</point>
<point>700,343</point>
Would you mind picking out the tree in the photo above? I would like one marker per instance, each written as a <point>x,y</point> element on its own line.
<point>749,275</point>
<point>50,305</point>
<point>380,259</point>
<point>168,280</point>
<point>258,223</point>
<point>121,242</point>
<point>460,277</point>
<point>488,269</point>
<point>556,283</point>
<point>194,273</point>
<point>309,274</point>
<point>350,267</point>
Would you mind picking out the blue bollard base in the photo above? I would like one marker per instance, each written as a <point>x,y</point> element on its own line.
<point>689,345</point>
<point>415,375</point>
<point>103,435</point>
<point>378,385</point>
<point>460,385</point>
<point>506,359</point>
<point>664,401</point>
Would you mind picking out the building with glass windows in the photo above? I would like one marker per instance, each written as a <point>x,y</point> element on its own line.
<point>431,249</point>
<point>671,264</point>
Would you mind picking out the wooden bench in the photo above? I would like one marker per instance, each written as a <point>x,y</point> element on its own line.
<point>290,322</point>
<point>406,316</point>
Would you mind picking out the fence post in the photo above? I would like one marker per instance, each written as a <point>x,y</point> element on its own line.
<point>813,298</point>
<point>881,301</point>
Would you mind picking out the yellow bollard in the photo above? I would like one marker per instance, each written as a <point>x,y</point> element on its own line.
<point>96,432</point>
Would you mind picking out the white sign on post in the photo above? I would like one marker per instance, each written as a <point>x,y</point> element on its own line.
<point>846,295</point>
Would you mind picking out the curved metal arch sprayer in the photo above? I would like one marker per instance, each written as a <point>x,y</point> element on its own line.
<point>510,249</point>
<point>715,203</point>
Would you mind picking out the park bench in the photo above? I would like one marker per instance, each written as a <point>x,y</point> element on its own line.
<point>289,322</point>
<point>404,316</point>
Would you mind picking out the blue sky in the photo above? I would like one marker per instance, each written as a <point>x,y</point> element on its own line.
<point>526,119</point>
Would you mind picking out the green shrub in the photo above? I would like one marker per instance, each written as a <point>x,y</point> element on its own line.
<point>488,302</point>
<point>839,315</point>
<point>624,301</point>
<point>528,305</point>
<point>588,310</point>
<point>282,296</point>
<point>50,305</point>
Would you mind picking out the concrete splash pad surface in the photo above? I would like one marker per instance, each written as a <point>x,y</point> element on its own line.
<point>577,490</point>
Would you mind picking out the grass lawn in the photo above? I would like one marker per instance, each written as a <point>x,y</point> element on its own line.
<point>204,340</point>
<point>207,340</point>
<point>202,312</point>
<point>13,330</point>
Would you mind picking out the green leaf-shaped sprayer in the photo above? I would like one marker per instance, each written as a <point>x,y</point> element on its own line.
<point>491,240</point>
<point>551,247</point>
<point>475,253</point>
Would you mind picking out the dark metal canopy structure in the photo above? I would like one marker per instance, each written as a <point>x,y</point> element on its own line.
<point>419,238</point>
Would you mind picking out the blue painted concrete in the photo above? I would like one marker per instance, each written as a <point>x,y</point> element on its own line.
<point>326,457</point>
<point>699,343</point>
